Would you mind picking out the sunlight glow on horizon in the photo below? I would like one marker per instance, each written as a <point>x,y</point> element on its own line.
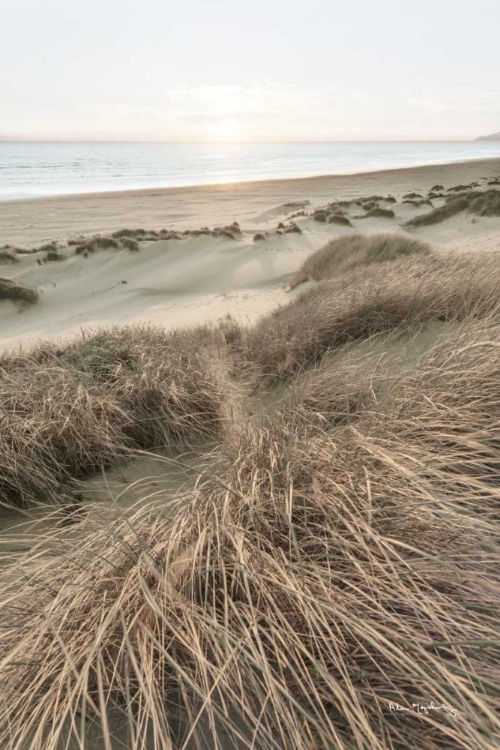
<point>215,71</point>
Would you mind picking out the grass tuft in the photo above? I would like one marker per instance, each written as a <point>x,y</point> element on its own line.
<point>355,250</point>
<point>19,294</point>
<point>381,213</point>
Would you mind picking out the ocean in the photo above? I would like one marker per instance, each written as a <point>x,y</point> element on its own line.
<point>42,169</point>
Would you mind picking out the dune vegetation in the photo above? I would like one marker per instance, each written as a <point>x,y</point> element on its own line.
<point>8,256</point>
<point>20,294</point>
<point>337,557</point>
<point>354,250</point>
<point>479,203</point>
<point>69,412</point>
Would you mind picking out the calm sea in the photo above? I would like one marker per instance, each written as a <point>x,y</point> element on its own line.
<point>38,169</point>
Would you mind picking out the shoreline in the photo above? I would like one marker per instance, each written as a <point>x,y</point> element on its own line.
<point>260,182</point>
<point>34,220</point>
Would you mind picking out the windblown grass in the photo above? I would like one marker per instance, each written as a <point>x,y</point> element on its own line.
<point>68,412</point>
<point>339,555</point>
<point>328,573</point>
<point>452,208</point>
<point>381,213</point>
<point>485,203</point>
<point>8,256</point>
<point>356,250</point>
<point>19,294</point>
<point>405,293</point>
<point>55,255</point>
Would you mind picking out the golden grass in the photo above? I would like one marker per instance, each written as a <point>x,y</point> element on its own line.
<point>401,294</point>
<point>69,412</point>
<point>356,250</point>
<point>337,556</point>
<point>330,572</point>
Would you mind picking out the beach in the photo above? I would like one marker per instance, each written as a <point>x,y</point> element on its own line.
<point>235,424</point>
<point>44,219</point>
<point>197,279</point>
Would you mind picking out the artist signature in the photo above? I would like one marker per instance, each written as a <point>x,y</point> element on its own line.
<point>423,709</point>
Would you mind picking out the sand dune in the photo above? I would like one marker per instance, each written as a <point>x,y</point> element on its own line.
<point>195,279</point>
<point>179,282</point>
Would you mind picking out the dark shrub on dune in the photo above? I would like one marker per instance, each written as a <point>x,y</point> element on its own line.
<point>8,256</point>
<point>459,188</point>
<point>440,214</point>
<point>97,243</point>
<point>480,203</point>
<point>339,219</point>
<point>293,228</point>
<point>119,233</point>
<point>130,244</point>
<point>369,205</point>
<point>13,291</point>
<point>55,255</point>
<point>320,216</point>
<point>381,213</point>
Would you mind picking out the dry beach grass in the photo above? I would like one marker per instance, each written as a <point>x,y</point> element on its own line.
<point>338,554</point>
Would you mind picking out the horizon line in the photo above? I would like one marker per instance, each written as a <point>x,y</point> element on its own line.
<point>11,139</point>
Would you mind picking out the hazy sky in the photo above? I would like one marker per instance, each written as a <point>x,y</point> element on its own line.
<point>252,70</point>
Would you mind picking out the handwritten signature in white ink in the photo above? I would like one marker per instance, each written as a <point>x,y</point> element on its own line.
<point>423,709</point>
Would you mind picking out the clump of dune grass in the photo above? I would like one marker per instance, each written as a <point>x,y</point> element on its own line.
<point>96,243</point>
<point>130,244</point>
<point>417,203</point>
<point>119,233</point>
<point>339,219</point>
<point>354,250</point>
<point>406,293</point>
<point>381,213</point>
<point>369,205</point>
<point>292,228</point>
<point>323,576</point>
<point>452,208</point>
<point>486,204</point>
<point>19,294</point>
<point>411,195</point>
<point>320,216</point>
<point>67,412</point>
<point>373,198</point>
<point>47,247</point>
<point>55,255</point>
<point>8,256</point>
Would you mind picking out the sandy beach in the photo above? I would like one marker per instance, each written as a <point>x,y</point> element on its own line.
<point>122,454</point>
<point>175,283</point>
<point>254,203</point>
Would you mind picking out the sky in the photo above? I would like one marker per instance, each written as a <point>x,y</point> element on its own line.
<point>259,70</point>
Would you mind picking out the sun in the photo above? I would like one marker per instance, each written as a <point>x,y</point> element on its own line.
<point>226,129</point>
